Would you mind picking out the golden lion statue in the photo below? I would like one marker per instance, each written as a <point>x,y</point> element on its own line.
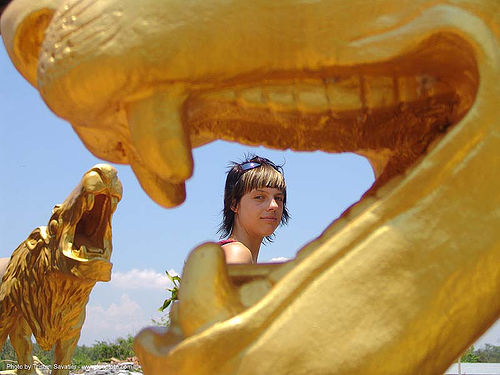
<point>408,277</point>
<point>45,285</point>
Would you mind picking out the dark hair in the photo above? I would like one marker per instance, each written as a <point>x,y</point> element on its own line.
<point>240,181</point>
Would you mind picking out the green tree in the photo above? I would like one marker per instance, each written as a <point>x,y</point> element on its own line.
<point>470,356</point>
<point>82,356</point>
<point>490,353</point>
<point>7,355</point>
<point>101,351</point>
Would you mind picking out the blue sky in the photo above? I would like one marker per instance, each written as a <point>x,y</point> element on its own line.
<point>43,159</point>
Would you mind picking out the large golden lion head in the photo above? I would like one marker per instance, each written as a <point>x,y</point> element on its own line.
<point>143,85</point>
<point>409,84</point>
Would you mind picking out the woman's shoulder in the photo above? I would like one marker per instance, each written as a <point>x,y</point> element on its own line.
<point>236,252</point>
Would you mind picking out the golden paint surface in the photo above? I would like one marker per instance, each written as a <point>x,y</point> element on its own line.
<point>45,285</point>
<point>411,85</point>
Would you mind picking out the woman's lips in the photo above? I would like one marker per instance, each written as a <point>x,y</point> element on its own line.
<point>269,218</point>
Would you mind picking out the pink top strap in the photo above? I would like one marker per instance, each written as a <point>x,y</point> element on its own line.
<point>225,242</point>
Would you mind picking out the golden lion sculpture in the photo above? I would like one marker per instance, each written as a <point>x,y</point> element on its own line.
<point>46,284</point>
<point>406,279</point>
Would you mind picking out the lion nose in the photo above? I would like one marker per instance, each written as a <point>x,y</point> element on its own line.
<point>109,177</point>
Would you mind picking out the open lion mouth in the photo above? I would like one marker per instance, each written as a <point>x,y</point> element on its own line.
<point>391,112</point>
<point>94,201</point>
<point>92,228</point>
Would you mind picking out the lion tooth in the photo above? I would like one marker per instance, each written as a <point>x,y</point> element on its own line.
<point>252,95</point>
<point>114,203</point>
<point>90,201</point>
<point>83,251</point>
<point>281,98</point>
<point>107,247</point>
<point>312,97</point>
<point>408,89</point>
<point>160,136</point>
<point>380,91</point>
<point>414,88</point>
<point>344,93</point>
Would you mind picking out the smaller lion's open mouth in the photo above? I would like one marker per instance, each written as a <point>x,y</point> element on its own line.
<point>90,233</point>
<point>91,239</point>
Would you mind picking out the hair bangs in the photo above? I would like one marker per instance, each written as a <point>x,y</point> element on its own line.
<point>264,176</point>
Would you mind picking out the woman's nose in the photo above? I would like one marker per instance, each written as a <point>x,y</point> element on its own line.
<point>273,204</point>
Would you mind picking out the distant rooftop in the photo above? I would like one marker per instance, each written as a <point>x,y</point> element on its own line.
<point>475,369</point>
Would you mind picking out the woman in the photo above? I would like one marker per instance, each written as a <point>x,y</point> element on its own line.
<point>254,206</point>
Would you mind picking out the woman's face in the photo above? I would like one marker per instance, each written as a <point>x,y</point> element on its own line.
<point>259,211</point>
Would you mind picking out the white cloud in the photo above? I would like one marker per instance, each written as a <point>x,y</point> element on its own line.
<point>141,279</point>
<point>125,305</point>
<point>277,260</point>
<point>122,317</point>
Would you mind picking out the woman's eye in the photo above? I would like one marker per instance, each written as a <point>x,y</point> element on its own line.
<point>258,197</point>
<point>279,199</point>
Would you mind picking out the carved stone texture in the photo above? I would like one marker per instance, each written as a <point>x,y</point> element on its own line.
<point>410,84</point>
<point>45,285</point>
